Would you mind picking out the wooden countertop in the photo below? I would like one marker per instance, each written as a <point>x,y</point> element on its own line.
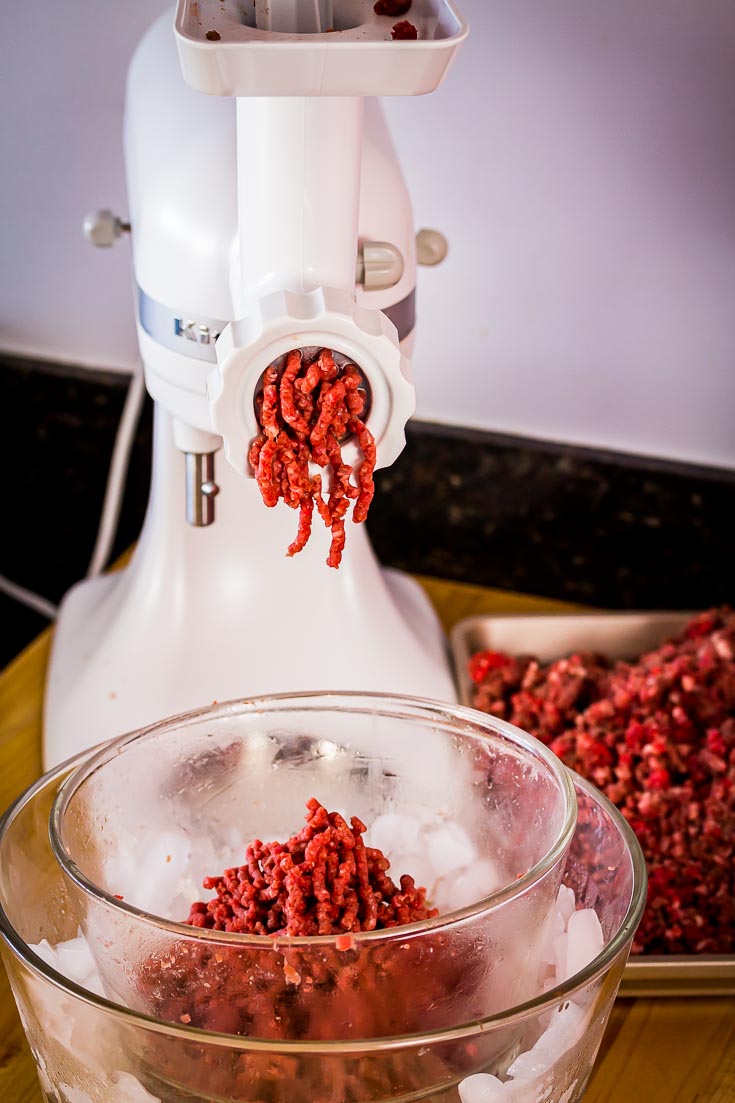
<point>654,1051</point>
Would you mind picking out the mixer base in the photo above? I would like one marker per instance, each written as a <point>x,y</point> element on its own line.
<point>216,613</point>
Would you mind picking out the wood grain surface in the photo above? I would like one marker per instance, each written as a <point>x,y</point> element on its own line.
<point>654,1051</point>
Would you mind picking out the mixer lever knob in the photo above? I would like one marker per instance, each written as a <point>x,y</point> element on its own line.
<point>103,228</point>
<point>431,247</point>
<point>379,265</point>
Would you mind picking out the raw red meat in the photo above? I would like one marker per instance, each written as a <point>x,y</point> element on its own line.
<point>393,8</point>
<point>322,881</point>
<point>305,412</point>
<point>404,30</point>
<point>657,735</point>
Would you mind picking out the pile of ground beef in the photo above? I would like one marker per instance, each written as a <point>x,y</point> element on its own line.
<point>657,736</point>
<point>322,881</point>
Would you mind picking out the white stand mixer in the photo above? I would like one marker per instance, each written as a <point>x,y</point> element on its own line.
<point>267,215</point>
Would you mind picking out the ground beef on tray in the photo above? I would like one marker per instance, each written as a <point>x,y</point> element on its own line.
<point>657,735</point>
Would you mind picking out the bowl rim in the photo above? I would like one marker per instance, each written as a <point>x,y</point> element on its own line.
<point>560,993</point>
<point>544,1001</point>
<point>483,725</point>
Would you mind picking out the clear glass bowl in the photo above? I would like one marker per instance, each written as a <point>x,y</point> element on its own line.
<point>480,813</point>
<point>88,1048</point>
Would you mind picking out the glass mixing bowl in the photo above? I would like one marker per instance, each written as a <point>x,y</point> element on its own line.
<point>480,813</point>
<point>90,1049</point>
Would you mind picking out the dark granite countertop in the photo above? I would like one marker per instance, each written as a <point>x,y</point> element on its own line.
<point>615,531</point>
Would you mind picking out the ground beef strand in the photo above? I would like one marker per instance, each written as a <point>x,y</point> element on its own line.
<point>305,411</point>
<point>657,735</point>
<point>322,881</point>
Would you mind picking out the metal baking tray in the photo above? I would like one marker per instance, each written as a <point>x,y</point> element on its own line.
<point>621,636</point>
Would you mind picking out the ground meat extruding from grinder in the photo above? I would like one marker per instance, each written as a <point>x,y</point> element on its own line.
<point>305,412</point>
<point>657,735</point>
<point>322,881</point>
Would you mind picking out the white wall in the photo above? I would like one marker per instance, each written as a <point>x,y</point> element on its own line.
<point>581,160</point>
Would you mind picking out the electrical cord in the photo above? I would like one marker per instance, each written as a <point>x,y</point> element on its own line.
<point>117,477</point>
<point>114,490</point>
<point>27,597</point>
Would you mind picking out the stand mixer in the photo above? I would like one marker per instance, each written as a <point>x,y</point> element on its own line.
<point>268,213</point>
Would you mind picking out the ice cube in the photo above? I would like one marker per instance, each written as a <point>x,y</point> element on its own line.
<point>130,1090</point>
<point>564,1029</point>
<point>533,1062</point>
<point>555,930</point>
<point>584,941</point>
<point>479,880</point>
<point>74,960</point>
<point>151,880</point>
<point>482,1088</point>
<point>458,890</point>
<point>74,1094</point>
<point>395,833</point>
<point>47,953</point>
<point>50,1007</point>
<point>565,903</point>
<point>416,865</point>
<point>448,848</point>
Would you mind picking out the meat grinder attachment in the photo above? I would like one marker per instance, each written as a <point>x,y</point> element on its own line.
<point>327,318</point>
<point>299,72</point>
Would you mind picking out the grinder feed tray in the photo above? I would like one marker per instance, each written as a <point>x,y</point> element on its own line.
<point>225,52</point>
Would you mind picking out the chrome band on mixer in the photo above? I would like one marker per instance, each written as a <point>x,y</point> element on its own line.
<point>178,331</point>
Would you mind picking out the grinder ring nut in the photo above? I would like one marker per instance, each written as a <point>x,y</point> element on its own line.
<point>326,318</point>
